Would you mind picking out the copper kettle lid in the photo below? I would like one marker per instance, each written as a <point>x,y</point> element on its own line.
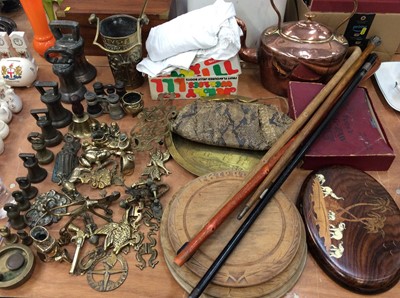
<point>307,31</point>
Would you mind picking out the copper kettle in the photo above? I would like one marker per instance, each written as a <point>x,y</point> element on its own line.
<point>295,51</point>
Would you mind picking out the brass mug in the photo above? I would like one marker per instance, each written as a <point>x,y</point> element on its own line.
<point>132,102</point>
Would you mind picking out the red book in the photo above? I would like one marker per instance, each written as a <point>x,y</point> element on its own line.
<point>354,137</point>
<point>365,6</point>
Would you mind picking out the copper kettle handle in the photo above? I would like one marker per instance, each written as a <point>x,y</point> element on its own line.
<point>355,7</point>
<point>278,14</point>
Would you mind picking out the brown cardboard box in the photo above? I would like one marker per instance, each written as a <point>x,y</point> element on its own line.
<point>207,78</point>
<point>374,6</point>
<point>384,25</point>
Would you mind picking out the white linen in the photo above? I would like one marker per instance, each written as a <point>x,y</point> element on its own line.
<point>208,32</point>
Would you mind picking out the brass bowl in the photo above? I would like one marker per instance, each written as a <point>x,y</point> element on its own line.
<point>132,103</point>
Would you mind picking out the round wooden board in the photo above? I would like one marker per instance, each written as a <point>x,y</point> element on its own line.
<point>275,287</point>
<point>254,249</point>
<point>266,249</point>
<point>352,226</point>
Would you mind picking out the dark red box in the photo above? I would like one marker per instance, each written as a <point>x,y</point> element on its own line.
<point>354,137</point>
<point>365,6</point>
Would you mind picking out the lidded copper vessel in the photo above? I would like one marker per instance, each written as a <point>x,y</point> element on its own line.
<point>296,51</point>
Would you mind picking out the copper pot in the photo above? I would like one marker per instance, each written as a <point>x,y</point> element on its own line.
<point>295,51</point>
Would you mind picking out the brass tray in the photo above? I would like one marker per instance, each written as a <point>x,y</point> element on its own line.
<point>200,159</point>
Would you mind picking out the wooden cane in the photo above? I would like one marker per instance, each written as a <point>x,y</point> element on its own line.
<point>284,174</point>
<point>310,125</point>
<point>189,248</point>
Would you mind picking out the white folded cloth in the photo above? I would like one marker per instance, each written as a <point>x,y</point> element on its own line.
<point>208,32</point>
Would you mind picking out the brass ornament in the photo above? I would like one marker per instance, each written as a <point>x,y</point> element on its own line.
<point>156,166</point>
<point>101,274</point>
<point>86,262</point>
<point>106,158</point>
<point>147,248</point>
<point>85,204</point>
<point>152,126</point>
<point>119,235</point>
<point>39,213</point>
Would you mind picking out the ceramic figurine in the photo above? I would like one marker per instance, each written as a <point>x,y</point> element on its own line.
<point>8,95</point>
<point>4,130</point>
<point>20,45</point>
<point>5,113</point>
<point>5,48</point>
<point>14,102</point>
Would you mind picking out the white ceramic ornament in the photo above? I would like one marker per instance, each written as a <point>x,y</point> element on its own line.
<point>14,101</point>
<point>5,113</point>
<point>1,146</point>
<point>18,72</point>
<point>4,130</point>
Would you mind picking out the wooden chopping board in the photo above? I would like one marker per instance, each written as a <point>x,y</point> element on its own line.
<point>353,228</point>
<point>268,260</point>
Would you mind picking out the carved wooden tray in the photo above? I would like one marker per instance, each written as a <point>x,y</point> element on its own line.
<point>353,228</point>
<point>268,260</point>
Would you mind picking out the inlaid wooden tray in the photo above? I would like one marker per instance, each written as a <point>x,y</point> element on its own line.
<point>353,228</point>
<point>268,260</point>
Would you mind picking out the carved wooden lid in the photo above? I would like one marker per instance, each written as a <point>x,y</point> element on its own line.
<point>352,226</point>
<point>268,260</point>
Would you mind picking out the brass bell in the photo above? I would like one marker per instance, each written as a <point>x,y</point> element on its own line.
<point>36,173</point>
<point>44,155</point>
<point>81,122</point>
<point>51,135</point>
<point>60,116</point>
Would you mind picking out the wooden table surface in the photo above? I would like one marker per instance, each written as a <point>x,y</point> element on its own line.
<point>53,279</point>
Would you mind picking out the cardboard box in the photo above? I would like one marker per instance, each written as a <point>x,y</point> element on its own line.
<point>354,137</point>
<point>373,6</point>
<point>362,27</point>
<point>208,78</point>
